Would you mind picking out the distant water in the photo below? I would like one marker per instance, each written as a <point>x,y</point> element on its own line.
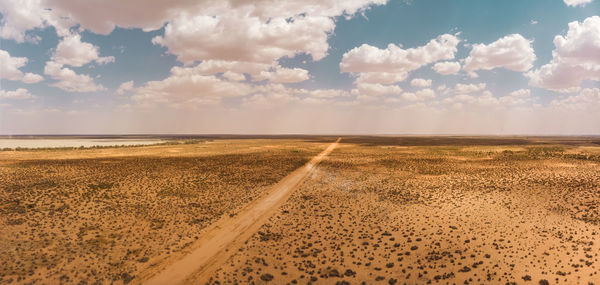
<point>54,143</point>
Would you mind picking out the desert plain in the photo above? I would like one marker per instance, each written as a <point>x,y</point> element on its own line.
<point>374,210</point>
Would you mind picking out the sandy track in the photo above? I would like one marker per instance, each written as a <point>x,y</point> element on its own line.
<point>220,240</point>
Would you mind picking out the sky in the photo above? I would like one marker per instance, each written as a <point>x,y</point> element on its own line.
<point>508,67</point>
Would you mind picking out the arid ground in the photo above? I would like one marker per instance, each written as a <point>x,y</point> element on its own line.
<point>376,210</point>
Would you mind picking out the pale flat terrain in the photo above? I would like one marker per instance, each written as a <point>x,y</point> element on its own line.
<point>62,143</point>
<point>376,210</point>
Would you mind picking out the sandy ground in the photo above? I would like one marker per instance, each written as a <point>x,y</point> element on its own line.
<point>441,215</point>
<point>104,215</point>
<point>231,232</point>
<point>377,210</point>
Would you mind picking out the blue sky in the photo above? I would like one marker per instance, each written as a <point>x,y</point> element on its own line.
<point>291,82</point>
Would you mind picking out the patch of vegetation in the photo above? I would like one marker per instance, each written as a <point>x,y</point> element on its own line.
<point>15,222</point>
<point>101,186</point>
<point>180,192</point>
<point>97,243</point>
<point>545,151</point>
<point>157,224</point>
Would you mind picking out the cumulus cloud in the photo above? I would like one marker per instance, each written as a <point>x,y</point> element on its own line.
<point>72,51</point>
<point>588,98</point>
<point>516,97</point>
<point>420,82</point>
<point>426,93</point>
<point>375,89</point>
<point>512,52</point>
<point>381,77</point>
<point>11,69</point>
<point>468,88</point>
<point>184,86</point>
<point>447,67</point>
<point>277,90</point>
<point>103,16</point>
<point>69,80</point>
<point>208,67</point>
<point>230,75</point>
<point>574,3</point>
<point>249,31</point>
<point>394,59</point>
<point>125,87</point>
<point>575,58</point>
<point>20,93</point>
<point>323,93</point>
<point>234,37</point>
<point>240,32</point>
<point>419,95</point>
<point>280,74</point>
<point>19,17</point>
<point>32,78</point>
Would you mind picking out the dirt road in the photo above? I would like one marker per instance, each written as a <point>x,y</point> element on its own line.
<point>222,238</point>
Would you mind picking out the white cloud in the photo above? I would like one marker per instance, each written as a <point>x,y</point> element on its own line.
<point>468,88</point>
<point>258,32</point>
<point>280,74</point>
<point>381,77</point>
<point>105,59</point>
<point>21,16</point>
<point>102,17</point>
<point>125,87</point>
<point>249,31</point>
<point>323,93</point>
<point>487,99</point>
<point>236,37</point>
<point>418,96</point>
<point>234,76</point>
<point>512,52</point>
<point>587,99</point>
<point>576,58</point>
<point>72,51</point>
<point>520,93</point>
<point>574,3</point>
<point>517,97</point>
<point>10,66</point>
<point>394,59</point>
<point>20,93</point>
<point>426,93</point>
<point>420,82</point>
<point>376,89</point>
<point>70,81</point>
<point>447,67</point>
<point>280,90</point>
<point>208,67</point>
<point>32,78</point>
<point>234,70</point>
<point>184,86</point>
<point>11,69</point>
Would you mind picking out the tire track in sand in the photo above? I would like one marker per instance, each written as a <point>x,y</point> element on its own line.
<point>220,239</point>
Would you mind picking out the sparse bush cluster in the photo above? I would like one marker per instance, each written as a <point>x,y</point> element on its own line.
<point>105,219</point>
<point>374,213</point>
